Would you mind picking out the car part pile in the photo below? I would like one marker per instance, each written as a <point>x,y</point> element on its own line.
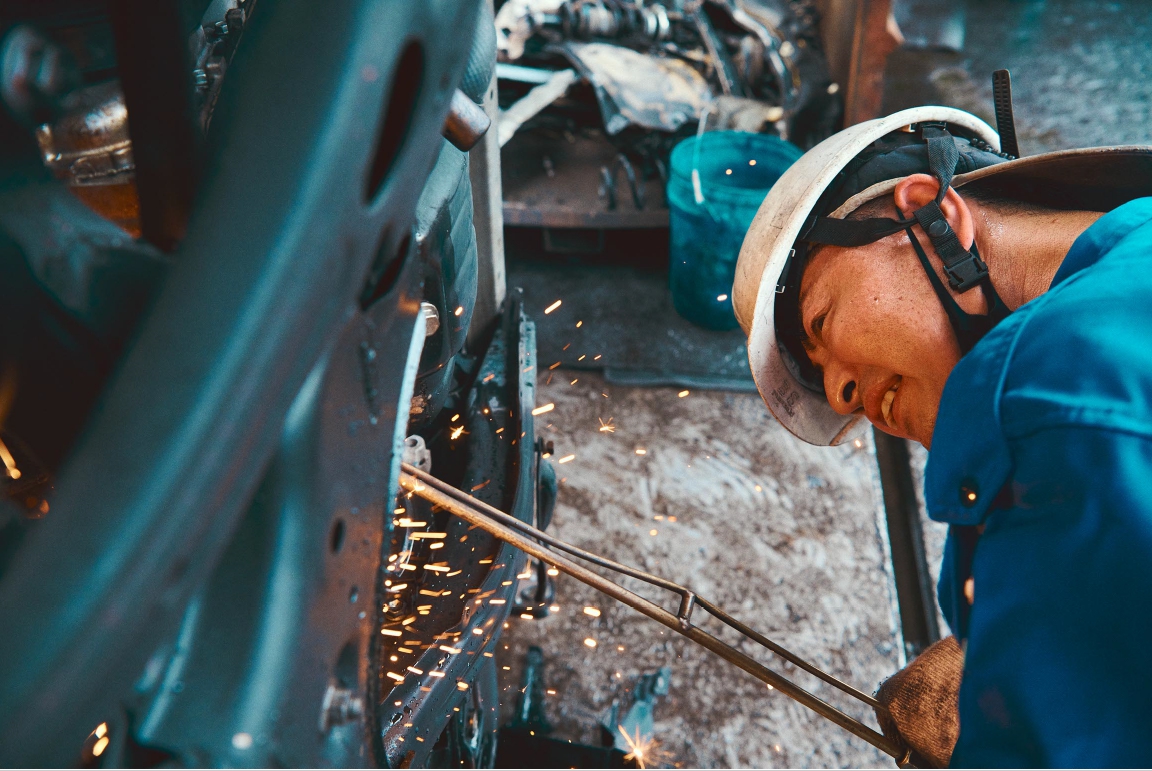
<point>597,92</point>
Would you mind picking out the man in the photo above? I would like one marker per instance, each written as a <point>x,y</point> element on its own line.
<point>999,312</point>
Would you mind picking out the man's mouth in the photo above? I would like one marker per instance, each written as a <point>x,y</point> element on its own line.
<point>886,404</point>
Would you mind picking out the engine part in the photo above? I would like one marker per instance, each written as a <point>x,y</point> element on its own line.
<point>84,135</point>
<point>445,250</point>
<point>586,19</point>
<point>216,536</point>
<point>89,147</point>
<point>448,588</point>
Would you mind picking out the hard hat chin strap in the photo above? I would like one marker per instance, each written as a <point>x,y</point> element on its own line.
<point>968,327</point>
<point>963,267</point>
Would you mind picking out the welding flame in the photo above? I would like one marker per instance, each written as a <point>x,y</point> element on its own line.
<point>642,750</point>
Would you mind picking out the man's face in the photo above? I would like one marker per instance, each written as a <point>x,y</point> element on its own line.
<point>879,334</point>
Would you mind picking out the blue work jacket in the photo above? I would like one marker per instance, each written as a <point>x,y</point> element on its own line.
<point>1044,438</point>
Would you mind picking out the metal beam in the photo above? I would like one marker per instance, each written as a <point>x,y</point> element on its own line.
<point>905,535</point>
<point>156,75</point>
<point>488,219</point>
<point>874,37</point>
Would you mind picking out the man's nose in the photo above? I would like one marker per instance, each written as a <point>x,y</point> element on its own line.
<point>842,388</point>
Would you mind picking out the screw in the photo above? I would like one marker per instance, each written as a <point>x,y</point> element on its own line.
<point>340,707</point>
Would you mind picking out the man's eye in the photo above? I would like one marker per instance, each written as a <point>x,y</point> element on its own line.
<point>818,323</point>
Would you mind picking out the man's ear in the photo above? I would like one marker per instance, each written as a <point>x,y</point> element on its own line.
<point>916,190</point>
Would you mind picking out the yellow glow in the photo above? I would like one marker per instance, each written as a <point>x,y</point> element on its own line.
<point>9,462</point>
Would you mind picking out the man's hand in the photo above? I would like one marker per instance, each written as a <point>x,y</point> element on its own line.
<point>921,704</point>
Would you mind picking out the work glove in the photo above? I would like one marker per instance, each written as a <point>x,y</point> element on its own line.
<point>920,704</point>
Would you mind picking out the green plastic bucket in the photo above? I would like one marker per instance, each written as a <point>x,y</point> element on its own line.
<point>717,183</point>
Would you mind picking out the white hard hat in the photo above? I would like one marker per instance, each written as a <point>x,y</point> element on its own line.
<point>834,178</point>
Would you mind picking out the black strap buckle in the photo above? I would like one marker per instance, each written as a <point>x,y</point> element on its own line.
<point>966,274</point>
<point>963,267</point>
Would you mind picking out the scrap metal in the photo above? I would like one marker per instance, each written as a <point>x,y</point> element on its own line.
<point>647,73</point>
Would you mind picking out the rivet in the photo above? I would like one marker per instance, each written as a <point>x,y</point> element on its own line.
<point>938,228</point>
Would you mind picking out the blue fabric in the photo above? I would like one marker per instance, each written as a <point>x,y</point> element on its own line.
<point>1049,421</point>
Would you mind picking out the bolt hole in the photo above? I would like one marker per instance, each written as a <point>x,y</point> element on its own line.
<point>397,117</point>
<point>347,666</point>
<point>385,270</point>
<point>336,539</point>
<point>354,594</point>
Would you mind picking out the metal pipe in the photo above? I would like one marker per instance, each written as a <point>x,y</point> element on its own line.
<point>476,513</point>
<point>466,122</point>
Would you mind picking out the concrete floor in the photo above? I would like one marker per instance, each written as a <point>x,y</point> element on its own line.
<point>803,558</point>
<point>783,535</point>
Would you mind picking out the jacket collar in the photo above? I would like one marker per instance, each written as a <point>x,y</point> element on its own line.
<point>970,461</point>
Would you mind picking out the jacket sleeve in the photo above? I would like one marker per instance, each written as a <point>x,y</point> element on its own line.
<point>1058,666</point>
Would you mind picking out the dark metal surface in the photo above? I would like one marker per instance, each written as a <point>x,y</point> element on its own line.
<point>155,74</point>
<point>914,590</point>
<point>258,314</point>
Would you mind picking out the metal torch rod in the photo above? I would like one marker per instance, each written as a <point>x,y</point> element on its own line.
<point>415,482</point>
<point>688,599</point>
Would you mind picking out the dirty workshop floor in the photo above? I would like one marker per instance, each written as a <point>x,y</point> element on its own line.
<point>785,536</point>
